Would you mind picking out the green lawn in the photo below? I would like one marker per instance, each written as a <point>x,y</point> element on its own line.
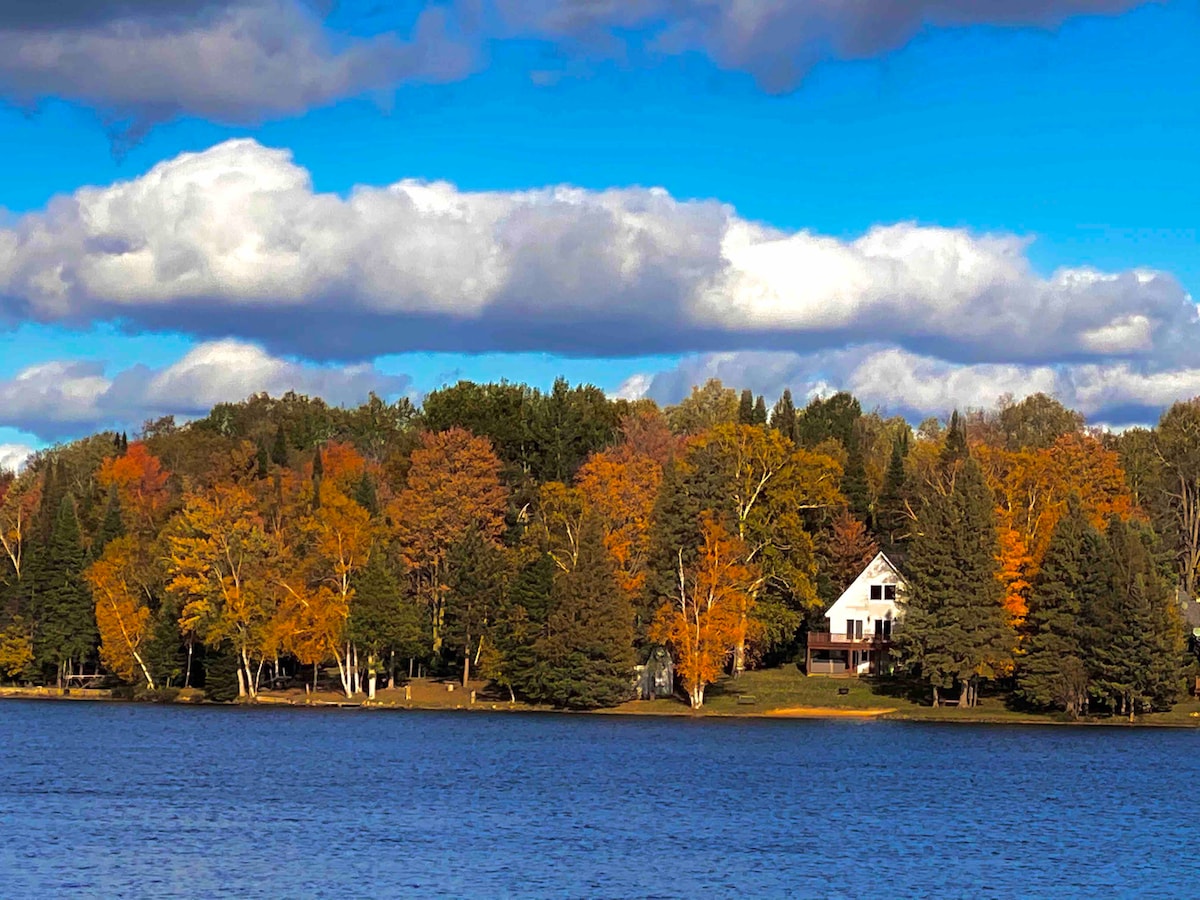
<point>788,687</point>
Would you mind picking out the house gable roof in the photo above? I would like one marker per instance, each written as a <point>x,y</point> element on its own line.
<point>879,566</point>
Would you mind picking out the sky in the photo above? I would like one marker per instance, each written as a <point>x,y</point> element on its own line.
<point>930,203</point>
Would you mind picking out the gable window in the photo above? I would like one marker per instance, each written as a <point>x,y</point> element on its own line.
<point>889,592</point>
<point>877,592</point>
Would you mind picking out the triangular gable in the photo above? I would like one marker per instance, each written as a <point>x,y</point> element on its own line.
<point>879,567</point>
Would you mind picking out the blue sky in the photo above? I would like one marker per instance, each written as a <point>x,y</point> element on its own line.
<point>997,155</point>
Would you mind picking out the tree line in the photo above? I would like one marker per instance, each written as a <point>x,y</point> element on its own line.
<point>547,541</point>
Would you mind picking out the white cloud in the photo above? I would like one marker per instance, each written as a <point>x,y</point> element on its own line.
<point>234,240</point>
<point>778,41</point>
<point>229,61</point>
<point>917,386</point>
<point>64,398</point>
<point>13,456</point>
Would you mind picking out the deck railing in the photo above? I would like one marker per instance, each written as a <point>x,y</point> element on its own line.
<point>821,640</point>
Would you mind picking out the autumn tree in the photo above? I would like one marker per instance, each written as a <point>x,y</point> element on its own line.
<point>848,550</point>
<point>123,613</point>
<point>218,566</point>
<point>141,485</point>
<point>705,617</point>
<point>706,407</point>
<point>453,487</point>
<point>767,487</point>
<point>620,489</point>
<point>18,506</point>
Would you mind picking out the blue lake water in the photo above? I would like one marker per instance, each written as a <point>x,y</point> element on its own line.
<point>117,800</point>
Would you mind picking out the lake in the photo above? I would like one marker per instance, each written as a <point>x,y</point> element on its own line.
<point>134,800</point>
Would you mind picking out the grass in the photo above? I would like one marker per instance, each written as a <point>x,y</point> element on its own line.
<point>787,688</point>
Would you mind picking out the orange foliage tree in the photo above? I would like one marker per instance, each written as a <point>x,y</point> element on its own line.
<point>621,489</point>
<point>141,484</point>
<point>849,549</point>
<point>453,486</point>
<point>122,607</point>
<point>706,618</point>
<point>1031,488</point>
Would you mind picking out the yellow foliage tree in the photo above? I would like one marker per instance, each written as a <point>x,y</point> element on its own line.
<point>706,619</point>
<point>122,609</point>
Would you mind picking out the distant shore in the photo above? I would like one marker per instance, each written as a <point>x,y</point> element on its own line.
<point>433,696</point>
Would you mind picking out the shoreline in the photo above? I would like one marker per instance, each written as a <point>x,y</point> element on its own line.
<point>888,714</point>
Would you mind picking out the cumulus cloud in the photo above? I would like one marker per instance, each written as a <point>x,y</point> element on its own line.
<point>61,399</point>
<point>236,62</point>
<point>915,386</point>
<point>234,240</point>
<point>778,41</point>
<point>13,456</point>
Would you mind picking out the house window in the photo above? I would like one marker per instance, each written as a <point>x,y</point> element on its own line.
<point>877,592</point>
<point>883,628</point>
<point>889,592</point>
<point>854,629</point>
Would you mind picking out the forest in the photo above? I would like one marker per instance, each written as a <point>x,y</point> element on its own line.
<point>548,541</point>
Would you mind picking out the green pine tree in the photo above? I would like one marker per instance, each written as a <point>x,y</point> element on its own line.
<point>518,626</point>
<point>891,510</point>
<point>111,525</point>
<point>279,449</point>
<point>66,623</point>
<point>759,416</point>
<point>954,628</point>
<point>263,462</point>
<point>365,495</point>
<point>855,487</point>
<point>1073,579</point>
<point>384,623</point>
<point>783,415</point>
<point>746,408</point>
<point>1134,631</point>
<point>587,651</point>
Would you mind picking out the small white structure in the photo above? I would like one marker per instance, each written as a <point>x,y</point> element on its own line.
<point>860,624</point>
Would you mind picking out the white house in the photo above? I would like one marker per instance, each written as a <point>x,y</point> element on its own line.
<point>860,624</point>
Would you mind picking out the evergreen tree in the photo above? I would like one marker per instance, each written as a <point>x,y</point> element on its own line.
<point>891,510</point>
<point>833,418</point>
<point>587,652</point>
<point>478,581</point>
<point>365,495</point>
<point>382,620</point>
<point>759,416</point>
<point>783,415</point>
<point>746,408</point>
<point>518,627</point>
<point>279,449</point>
<point>263,462</point>
<point>954,626</point>
<point>955,449</point>
<point>1072,581</point>
<point>318,473</point>
<point>855,487</point>
<point>66,622</point>
<point>111,525</point>
<point>1134,632</point>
